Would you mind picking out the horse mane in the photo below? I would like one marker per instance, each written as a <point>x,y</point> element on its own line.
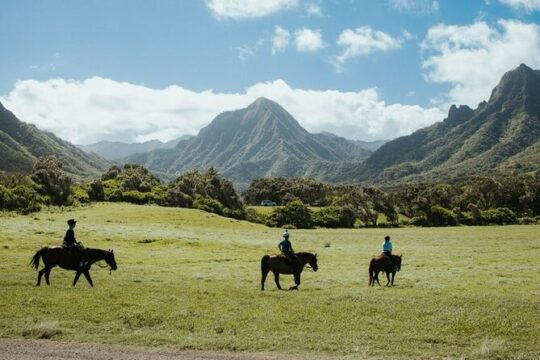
<point>96,250</point>
<point>305,254</point>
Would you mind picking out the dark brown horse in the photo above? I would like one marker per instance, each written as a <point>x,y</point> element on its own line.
<point>278,264</point>
<point>383,263</point>
<point>58,256</point>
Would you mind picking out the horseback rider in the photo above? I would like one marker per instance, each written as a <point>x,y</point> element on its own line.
<point>286,249</point>
<point>73,245</point>
<point>387,250</point>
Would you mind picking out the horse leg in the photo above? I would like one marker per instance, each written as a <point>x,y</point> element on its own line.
<point>388,278</point>
<point>376,278</point>
<point>393,276</point>
<point>40,274</point>
<point>47,273</point>
<point>296,282</point>
<point>263,279</point>
<point>86,274</point>
<point>76,278</point>
<point>276,279</point>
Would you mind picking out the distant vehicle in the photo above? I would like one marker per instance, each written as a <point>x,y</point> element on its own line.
<point>268,203</point>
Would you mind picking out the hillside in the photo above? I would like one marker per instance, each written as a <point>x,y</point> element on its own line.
<point>500,136</point>
<point>21,144</point>
<point>260,140</point>
<point>114,150</point>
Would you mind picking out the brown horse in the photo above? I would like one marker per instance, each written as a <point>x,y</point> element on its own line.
<point>58,256</point>
<point>278,265</point>
<point>383,263</point>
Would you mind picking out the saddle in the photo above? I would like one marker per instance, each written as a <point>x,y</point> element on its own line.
<point>288,261</point>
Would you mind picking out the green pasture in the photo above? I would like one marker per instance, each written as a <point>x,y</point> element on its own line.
<point>191,280</point>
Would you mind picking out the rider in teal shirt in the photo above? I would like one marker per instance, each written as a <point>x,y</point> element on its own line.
<point>387,246</point>
<point>387,249</point>
<point>286,249</point>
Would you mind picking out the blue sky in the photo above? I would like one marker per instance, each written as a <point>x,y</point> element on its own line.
<point>363,69</point>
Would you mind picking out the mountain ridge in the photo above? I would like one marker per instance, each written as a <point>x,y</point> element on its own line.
<point>21,144</point>
<point>262,139</point>
<point>467,141</point>
<point>114,150</point>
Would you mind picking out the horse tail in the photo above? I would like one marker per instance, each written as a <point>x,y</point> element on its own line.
<point>264,264</point>
<point>371,270</point>
<point>34,262</point>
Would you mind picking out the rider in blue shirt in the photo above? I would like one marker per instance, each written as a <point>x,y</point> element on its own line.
<point>286,249</point>
<point>387,249</point>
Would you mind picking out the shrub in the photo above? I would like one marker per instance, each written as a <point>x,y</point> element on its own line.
<point>96,191</point>
<point>175,197</point>
<point>466,218</point>
<point>208,204</point>
<point>21,198</point>
<point>499,216</point>
<point>420,220</point>
<point>51,180</point>
<point>295,213</point>
<point>136,197</point>
<point>526,220</point>
<point>80,194</point>
<point>439,216</point>
<point>335,217</point>
<point>239,214</point>
<point>254,216</point>
<point>111,189</point>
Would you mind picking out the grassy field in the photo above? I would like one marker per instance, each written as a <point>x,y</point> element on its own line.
<point>191,280</point>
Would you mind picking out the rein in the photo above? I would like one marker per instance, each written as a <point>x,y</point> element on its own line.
<point>98,263</point>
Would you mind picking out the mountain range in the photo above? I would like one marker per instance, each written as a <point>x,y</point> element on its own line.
<point>114,150</point>
<point>500,136</point>
<point>21,144</point>
<point>260,140</point>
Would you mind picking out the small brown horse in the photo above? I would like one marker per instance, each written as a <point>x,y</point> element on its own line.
<point>278,265</point>
<point>58,256</point>
<point>383,263</point>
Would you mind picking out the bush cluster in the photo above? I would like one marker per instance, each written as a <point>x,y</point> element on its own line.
<point>478,201</point>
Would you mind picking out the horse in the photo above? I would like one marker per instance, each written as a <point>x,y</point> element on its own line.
<point>383,263</point>
<point>278,265</point>
<point>59,256</point>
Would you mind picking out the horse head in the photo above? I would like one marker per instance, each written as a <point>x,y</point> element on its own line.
<point>109,259</point>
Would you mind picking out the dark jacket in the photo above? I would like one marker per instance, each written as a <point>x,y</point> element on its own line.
<point>69,239</point>
<point>286,247</point>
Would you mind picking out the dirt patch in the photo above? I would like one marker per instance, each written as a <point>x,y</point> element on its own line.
<point>46,349</point>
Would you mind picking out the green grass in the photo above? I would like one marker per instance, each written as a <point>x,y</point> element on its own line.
<point>191,280</point>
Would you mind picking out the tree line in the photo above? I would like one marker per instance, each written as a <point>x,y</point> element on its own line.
<point>302,202</point>
<point>481,200</point>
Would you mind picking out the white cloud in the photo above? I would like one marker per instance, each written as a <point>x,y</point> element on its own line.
<point>314,10</point>
<point>245,51</point>
<point>280,39</point>
<point>97,109</point>
<point>363,41</point>
<point>527,5</point>
<point>473,58</point>
<point>416,6</point>
<point>243,9</point>
<point>307,40</point>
